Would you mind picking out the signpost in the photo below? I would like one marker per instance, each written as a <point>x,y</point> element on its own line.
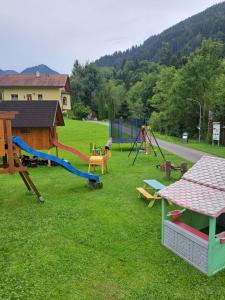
<point>216,132</point>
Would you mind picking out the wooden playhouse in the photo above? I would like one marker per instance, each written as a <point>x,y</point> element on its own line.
<point>196,232</point>
<point>36,122</point>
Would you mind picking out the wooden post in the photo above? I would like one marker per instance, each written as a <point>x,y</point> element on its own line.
<point>2,139</point>
<point>164,211</point>
<point>183,168</point>
<point>10,146</point>
<point>57,151</point>
<point>49,162</point>
<point>212,233</point>
<point>167,169</point>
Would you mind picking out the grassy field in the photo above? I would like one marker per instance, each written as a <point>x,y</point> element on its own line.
<point>83,244</point>
<point>203,146</point>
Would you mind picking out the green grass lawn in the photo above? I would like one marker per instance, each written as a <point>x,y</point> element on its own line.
<point>83,244</point>
<point>203,146</point>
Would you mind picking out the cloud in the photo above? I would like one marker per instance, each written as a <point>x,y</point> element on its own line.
<point>56,32</point>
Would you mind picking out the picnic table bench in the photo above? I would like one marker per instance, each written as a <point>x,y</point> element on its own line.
<point>150,184</point>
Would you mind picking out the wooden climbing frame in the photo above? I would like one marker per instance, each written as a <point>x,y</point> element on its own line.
<point>8,153</point>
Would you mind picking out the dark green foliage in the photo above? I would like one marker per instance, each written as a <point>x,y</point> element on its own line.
<point>196,80</point>
<point>141,87</point>
<point>80,111</point>
<point>124,110</point>
<point>85,82</point>
<point>175,43</point>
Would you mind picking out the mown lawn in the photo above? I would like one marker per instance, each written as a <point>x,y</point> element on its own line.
<point>203,146</point>
<point>83,244</point>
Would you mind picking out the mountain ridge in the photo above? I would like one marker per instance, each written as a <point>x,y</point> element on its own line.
<point>180,39</point>
<point>42,69</point>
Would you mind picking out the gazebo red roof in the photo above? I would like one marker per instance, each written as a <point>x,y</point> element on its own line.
<point>201,189</point>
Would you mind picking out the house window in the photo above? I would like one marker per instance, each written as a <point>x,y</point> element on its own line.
<point>29,97</point>
<point>40,97</point>
<point>14,96</point>
<point>25,130</point>
<point>64,101</point>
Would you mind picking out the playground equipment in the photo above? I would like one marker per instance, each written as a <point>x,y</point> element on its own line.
<point>36,122</point>
<point>35,127</point>
<point>150,186</point>
<point>10,162</point>
<point>143,142</point>
<point>99,157</point>
<point>72,150</point>
<point>124,131</point>
<point>167,167</point>
<point>93,180</point>
<point>197,232</point>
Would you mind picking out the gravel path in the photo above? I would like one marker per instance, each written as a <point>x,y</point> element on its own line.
<point>189,154</point>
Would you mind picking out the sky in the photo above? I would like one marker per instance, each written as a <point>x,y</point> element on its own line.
<point>57,32</point>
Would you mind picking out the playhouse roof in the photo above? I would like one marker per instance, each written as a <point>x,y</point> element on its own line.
<point>34,114</point>
<point>201,189</point>
<point>33,80</point>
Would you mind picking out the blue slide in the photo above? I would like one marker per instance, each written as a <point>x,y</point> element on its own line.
<point>20,143</point>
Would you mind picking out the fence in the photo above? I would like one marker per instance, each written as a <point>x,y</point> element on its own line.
<point>125,131</point>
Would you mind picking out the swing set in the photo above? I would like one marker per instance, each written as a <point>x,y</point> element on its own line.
<point>143,143</point>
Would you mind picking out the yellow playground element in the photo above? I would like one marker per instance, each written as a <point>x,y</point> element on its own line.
<point>153,186</point>
<point>99,160</point>
<point>146,195</point>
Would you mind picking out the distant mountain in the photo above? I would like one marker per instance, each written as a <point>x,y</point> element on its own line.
<point>179,40</point>
<point>8,72</point>
<point>42,69</point>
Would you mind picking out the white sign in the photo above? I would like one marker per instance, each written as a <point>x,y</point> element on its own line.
<point>216,131</point>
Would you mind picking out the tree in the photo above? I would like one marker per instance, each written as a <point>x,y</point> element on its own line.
<point>124,110</point>
<point>85,81</point>
<point>142,92</point>
<point>192,81</point>
<point>80,111</point>
<point>163,101</point>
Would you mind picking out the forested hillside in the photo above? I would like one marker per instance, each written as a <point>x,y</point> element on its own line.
<point>171,95</point>
<point>167,80</point>
<point>176,42</point>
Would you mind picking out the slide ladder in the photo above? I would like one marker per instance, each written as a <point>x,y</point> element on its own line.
<point>94,181</point>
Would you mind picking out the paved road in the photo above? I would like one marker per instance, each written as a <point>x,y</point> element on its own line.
<point>184,152</point>
<point>189,154</point>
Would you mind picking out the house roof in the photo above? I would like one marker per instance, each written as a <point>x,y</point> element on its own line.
<point>32,80</point>
<point>201,189</point>
<point>34,114</point>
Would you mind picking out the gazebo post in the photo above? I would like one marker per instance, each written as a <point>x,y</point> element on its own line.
<point>164,212</point>
<point>212,232</point>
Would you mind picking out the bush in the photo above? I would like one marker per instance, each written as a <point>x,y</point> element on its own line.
<point>80,111</point>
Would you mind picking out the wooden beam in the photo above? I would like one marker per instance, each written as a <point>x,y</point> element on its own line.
<point>2,138</point>
<point>10,146</point>
<point>15,170</point>
<point>8,115</point>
